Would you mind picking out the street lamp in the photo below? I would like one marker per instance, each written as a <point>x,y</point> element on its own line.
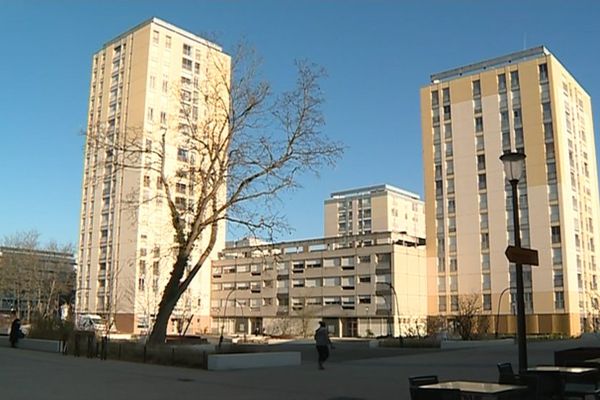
<point>514,163</point>
<point>498,312</point>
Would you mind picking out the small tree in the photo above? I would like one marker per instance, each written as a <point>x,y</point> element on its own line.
<point>469,319</point>
<point>244,148</point>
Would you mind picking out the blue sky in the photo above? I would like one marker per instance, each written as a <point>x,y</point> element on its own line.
<point>377,54</point>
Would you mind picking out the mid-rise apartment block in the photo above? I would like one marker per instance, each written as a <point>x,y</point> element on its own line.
<point>380,208</point>
<point>148,86</point>
<point>366,277</point>
<point>359,285</point>
<point>525,101</point>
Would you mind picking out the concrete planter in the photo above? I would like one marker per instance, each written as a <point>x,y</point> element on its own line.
<point>468,344</point>
<point>221,362</point>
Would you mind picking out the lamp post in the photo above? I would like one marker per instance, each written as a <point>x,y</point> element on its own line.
<point>224,316</point>
<point>390,317</point>
<point>513,170</point>
<point>498,312</point>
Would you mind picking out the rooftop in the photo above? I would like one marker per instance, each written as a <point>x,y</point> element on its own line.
<point>373,189</point>
<point>492,63</point>
<point>169,26</point>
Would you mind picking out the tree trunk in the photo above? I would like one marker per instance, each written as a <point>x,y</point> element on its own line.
<point>167,304</point>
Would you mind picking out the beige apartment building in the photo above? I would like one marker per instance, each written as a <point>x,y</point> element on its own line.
<point>360,285</point>
<point>379,208</point>
<point>148,85</point>
<point>470,116</point>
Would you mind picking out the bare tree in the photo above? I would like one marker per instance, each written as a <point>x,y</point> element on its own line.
<point>470,321</point>
<point>245,148</point>
<point>29,277</point>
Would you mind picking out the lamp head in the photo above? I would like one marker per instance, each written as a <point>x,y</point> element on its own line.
<point>514,164</point>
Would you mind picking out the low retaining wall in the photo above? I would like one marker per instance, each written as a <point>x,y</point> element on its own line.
<point>51,346</point>
<point>467,344</point>
<point>220,362</point>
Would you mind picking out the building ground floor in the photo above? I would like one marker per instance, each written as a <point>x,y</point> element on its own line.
<point>337,326</point>
<point>536,324</point>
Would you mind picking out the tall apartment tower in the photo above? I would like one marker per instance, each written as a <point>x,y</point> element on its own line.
<point>470,116</point>
<point>144,82</point>
<point>379,208</point>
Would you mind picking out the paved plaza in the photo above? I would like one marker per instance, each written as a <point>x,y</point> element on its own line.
<point>353,372</point>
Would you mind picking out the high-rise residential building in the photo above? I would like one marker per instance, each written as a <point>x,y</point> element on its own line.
<point>147,86</point>
<point>471,115</point>
<point>380,208</point>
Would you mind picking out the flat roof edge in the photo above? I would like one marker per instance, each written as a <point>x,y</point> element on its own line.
<point>492,63</point>
<point>167,25</point>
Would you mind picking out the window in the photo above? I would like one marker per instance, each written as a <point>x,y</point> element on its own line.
<point>449,168</point>
<point>546,111</point>
<point>449,152</point>
<point>551,171</point>
<point>146,181</point>
<point>182,154</point>
<point>453,264</point>
<point>447,115</point>
<point>517,117</point>
<point>364,299</point>
<point>155,37</point>
<point>454,302</point>
<point>186,64</point>
<point>451,224</point>
<point>558,278</point>
<point>487,302</point>
<point>486,283</point>
<point>168,42</point>
<point>481,182</point>
<point>504,121</point>
<point>163,118</point>
<point>187,50</point>
<point>543,69</point>
<point>514,79</point>
<point>501,82</point>
<point>483,201</point>
<point>485,241</point>
<point>441,284</point>
<point>329,282</point>
<point>555,230</point>
<point>150,114</point>
<point>476,88</point>
<point>435,99</point>
<point>485,262</point>
<point>518,137</point>
<point>451,206</point>
<point>480,162</point>
<point>559,300</point>
<point>479,143</point>
<point>441,303</point>
<point>477,108</point>
<point>448,131</point>
<point>483,222</point>
<point>478,124</point>
<point>446,95</point>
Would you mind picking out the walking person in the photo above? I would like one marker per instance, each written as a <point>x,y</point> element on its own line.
<point>323,343</point>
<point>15,330</point>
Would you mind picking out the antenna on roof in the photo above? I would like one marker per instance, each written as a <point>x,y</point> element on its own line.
<point>524,40</point>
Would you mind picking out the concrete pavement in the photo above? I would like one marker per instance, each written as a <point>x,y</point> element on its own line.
<point>34,375</point>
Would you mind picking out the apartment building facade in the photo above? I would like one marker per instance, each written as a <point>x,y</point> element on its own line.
<point>148,85</point>
<point>525,101</point>
<point>378,208</point>
<point>360,285</point>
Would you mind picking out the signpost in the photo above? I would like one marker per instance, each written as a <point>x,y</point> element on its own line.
<point>520,255</point>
